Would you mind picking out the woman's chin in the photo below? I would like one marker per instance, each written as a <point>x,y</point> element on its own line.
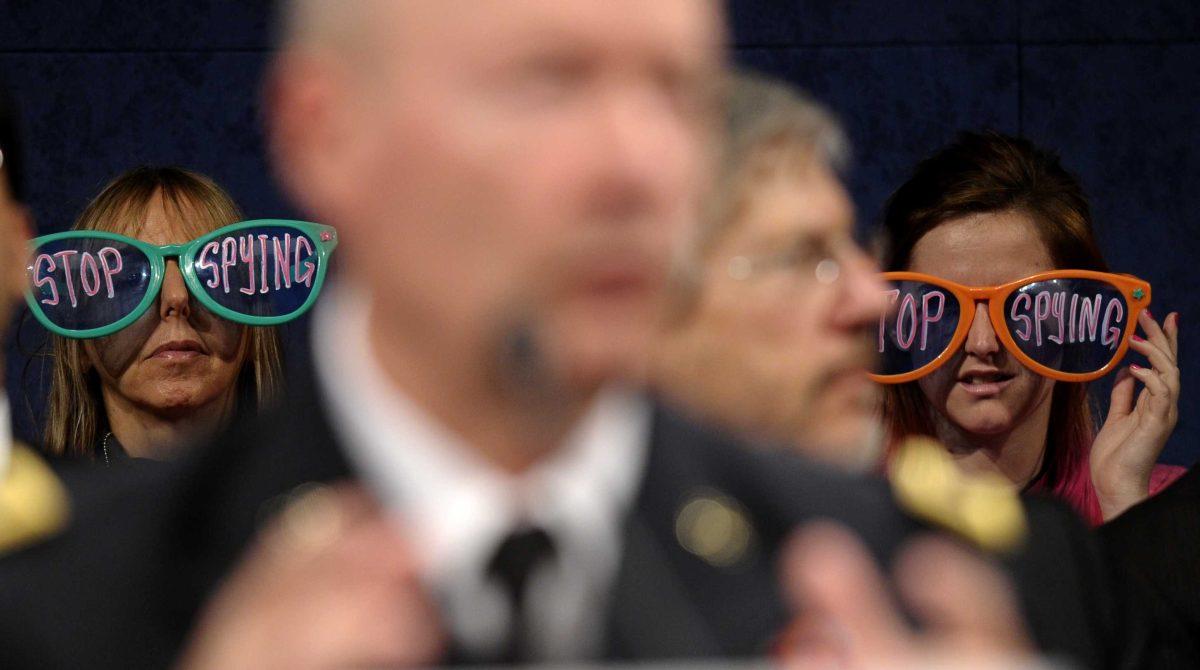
<point>995,424</point>
<point>178,402</point>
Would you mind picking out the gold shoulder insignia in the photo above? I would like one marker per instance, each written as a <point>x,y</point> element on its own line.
<point>33,503</point>
<point>715,528</point>
<point>981,508</point>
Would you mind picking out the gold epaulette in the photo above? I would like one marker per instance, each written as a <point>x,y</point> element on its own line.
<point>33,502</point>
<point>981,508</point>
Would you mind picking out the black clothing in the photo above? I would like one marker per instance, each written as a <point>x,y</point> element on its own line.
<point>1156,545</point>
<point>121,589</point>
<point>513,564</point>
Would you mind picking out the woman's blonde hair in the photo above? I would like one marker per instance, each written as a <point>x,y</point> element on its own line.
<point>76,421</point>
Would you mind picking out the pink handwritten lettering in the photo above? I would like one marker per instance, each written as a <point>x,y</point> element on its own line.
<point>1049,315</point>
<point>908,307</point>
<point>63,258</point>
<point>246,253</point>
<point>111,263</point>
<point>310,267</point>
<point>1089,319</point>
<point>1041,310</point>
<point>262,256</point>
<point>1111,333</point>
<point>41,281</point>
<point>87,266</point>
<point>205,263</point>
<point>283,261</point>
<point>930,318</point>
<point>229,249</point>
<point>1021,302</point>
<point>1056,312</point>
<point>255,259</point>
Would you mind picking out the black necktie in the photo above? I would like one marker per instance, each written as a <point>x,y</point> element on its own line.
<point>514,561</point>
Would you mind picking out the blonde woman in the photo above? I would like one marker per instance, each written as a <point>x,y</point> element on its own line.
<point>174,372</point>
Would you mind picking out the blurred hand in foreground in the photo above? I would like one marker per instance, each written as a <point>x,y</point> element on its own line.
<point>330,583</point>
<point>966,609</point>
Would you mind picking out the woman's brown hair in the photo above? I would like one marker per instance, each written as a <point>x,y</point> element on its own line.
<point>990,172</point>
<point>76,421</point>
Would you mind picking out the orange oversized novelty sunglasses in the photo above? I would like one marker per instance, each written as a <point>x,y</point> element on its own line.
<point>1069,325</point>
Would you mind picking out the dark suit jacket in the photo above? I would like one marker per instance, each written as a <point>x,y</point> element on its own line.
<point>122,587</point>
<point>1156,546</point>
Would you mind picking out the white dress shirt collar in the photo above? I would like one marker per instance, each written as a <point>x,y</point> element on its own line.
<point>459,506</point>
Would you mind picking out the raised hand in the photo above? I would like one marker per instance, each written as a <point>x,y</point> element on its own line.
<point>1136,430</point>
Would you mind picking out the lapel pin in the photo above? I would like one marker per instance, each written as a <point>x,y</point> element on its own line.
<point>715,528</point>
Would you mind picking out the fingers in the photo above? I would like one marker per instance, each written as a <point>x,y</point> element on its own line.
<point>960,597</point>
<point>1161,400</point>
<point>1121,400</point>
<point>1160,348</point>
<point>830,577</point>
<point>1162,364</point>
<point>966,606</point>
<point>1171,328</point>
<point>1160,359</point>
<point>1155,334</point>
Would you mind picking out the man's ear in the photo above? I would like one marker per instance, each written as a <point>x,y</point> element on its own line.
<point>17,249</point>
<point>310,128</point>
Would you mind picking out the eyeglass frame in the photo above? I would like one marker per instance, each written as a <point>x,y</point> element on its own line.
<point>1128,285</point>
<point>325,237</point>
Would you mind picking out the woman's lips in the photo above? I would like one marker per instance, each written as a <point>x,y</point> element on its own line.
<point>984,386</point>
<point>178,350</point>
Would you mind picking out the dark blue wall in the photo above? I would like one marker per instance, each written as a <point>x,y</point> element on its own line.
<point>1114,86</point>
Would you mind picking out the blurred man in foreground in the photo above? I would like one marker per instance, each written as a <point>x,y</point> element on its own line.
<point>32,503</point>
<point>508,180</point>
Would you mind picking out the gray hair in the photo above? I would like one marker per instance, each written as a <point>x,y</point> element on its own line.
<point>761,110</point>
<point>766,121</point>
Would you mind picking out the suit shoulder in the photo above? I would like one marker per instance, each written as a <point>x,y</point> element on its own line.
<point>779,489</point>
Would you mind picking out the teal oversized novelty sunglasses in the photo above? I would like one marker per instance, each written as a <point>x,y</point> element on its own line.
<point>88,283</point>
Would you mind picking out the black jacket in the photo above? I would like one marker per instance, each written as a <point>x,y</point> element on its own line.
<point>122,587</point>
<point>1156,546</point>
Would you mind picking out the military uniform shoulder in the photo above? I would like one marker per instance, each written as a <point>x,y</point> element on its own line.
<point>983,508</point>
<point>33,502</point>
<point>778,488</point>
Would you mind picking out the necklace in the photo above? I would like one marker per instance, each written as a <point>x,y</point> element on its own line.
<point>104,449</point>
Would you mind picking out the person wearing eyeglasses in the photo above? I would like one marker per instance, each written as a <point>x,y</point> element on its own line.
<point>774,304</point>
<point>1001,310</point>
<point>161,308</point>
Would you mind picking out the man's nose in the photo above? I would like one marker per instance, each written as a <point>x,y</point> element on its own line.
<point>648,150</point>
<point>864,294</point>
<point>174,300</point>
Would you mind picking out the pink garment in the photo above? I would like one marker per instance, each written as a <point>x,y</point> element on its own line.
<point>1081,494</point>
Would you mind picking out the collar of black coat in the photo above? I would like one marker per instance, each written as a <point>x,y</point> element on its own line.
<point>33,503</point>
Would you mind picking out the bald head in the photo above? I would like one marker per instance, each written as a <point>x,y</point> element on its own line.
<point>487,158</point>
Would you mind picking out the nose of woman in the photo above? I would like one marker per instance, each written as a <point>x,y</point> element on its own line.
<point>174,300</point>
